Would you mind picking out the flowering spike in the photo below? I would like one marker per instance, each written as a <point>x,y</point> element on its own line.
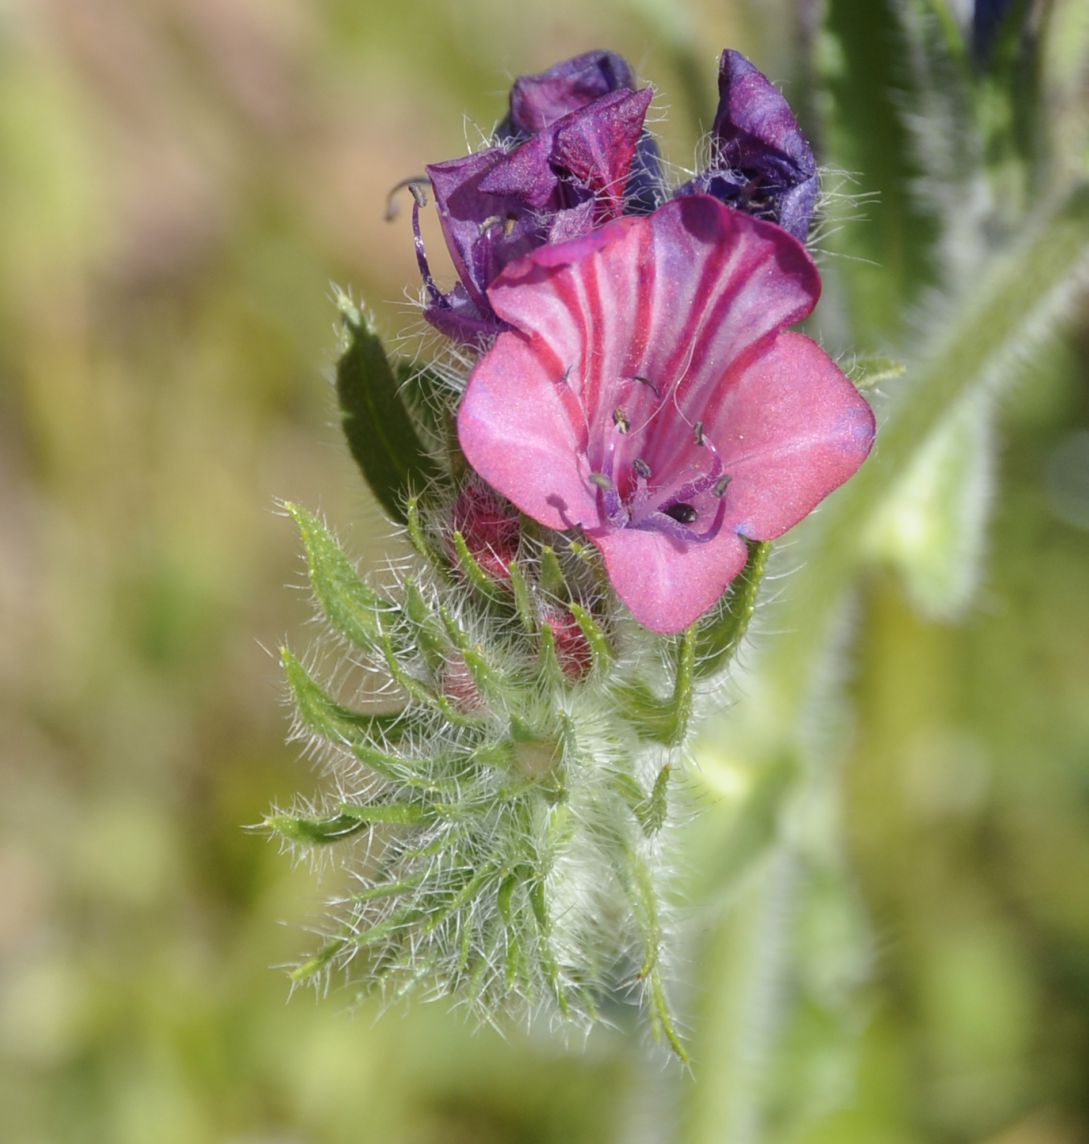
<point>637,425</point>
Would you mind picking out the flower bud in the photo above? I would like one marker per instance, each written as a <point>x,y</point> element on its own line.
<point>490,527</point>
<point>573,651</point>
<point>762,163</point>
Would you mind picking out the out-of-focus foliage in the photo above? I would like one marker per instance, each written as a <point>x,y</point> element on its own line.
<point>181,181</point>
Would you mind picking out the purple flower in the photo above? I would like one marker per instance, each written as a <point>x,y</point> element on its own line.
<point>761,163</point>
<point>573,155</point>
<point>537,101</point>
<point>648,393</point>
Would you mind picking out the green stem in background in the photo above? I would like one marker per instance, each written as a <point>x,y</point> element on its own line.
<point>740,1016</point>
<point>1017,305</point>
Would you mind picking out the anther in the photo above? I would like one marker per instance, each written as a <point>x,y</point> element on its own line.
<point>416,184</point>
<point>602,481</point>
<point>697,432</point>
<point>721,485</point>
<point>620,420</point>
<point>642,468</point>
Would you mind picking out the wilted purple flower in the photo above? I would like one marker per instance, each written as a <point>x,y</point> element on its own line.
<point>648,392</point>
<point>761,163</point>
<point>537,101</point>
<point>572,156</point>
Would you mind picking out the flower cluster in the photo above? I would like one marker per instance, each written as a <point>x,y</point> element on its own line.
<point>638,419</point>
<point>636,377</point>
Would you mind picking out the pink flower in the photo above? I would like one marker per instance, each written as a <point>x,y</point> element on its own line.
<point>649,393</point>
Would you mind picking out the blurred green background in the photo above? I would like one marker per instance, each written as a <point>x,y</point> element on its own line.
<point>181,181</point>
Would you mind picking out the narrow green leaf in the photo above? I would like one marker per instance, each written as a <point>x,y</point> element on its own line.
<point>649,809</point>
<point>403,920</point>
<point>386,890</point>
<point>423,693</point>
<point>321,714</point>
<point>665,720</point>
<point>548,961</point>
<point>386,813</point>
<point>548,661</point>
<point>319,961</point>
<point>595,636</point>
<point>380,433</point>
<point>552,578</point>
<point>426,632</point>
<point>314,831</point>
<point>655,808</point>
<point>719,635</point>
<point>353,608</point>
<point>348,820</point>
<point>430,401</point>
<point>472,887</point>
<point>487,585</point>
<point>523,600</point>
<point>683,696</point>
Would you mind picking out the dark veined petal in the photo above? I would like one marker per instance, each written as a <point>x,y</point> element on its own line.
<point>648,393</point>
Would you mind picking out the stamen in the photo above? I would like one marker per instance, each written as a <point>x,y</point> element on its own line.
<point>488,223</point>
<point>417,184</point>
<point>642,468</point>
<point>721,485</point>
<point>647,382</point>
<point>602,482</point>
<point>697,430</point>
<point>621,420</point>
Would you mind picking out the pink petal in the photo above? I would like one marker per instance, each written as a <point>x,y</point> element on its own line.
<point>519,430</point>
<point>675,296</point>
<point>789,429</point>
<point>668,585</point>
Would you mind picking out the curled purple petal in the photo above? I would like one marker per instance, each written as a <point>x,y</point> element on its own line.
<point>498,204</point>
<point>762,163</point>
<point>537,101</point>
